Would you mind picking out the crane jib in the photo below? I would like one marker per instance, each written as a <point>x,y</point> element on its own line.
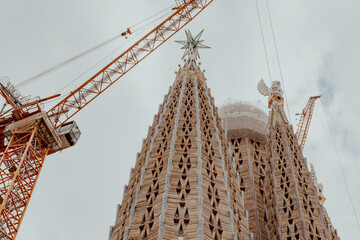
<point>103,79</point>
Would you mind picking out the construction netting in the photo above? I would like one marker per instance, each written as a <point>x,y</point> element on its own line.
<point>241,115</point>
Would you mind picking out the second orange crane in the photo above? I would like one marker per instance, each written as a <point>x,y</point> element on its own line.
<point>305,120</point>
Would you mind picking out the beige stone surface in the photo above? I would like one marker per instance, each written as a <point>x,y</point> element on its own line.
<point>184,183</point>
<point>280,196</point>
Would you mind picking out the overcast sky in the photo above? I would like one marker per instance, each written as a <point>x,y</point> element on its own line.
<point>78,190</point>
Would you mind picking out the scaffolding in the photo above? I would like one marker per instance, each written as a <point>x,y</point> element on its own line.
<point>244,118</point>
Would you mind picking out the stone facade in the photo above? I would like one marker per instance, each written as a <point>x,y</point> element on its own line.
<point>193,180</point>
<point>184,184</point>
<point>281,194</point>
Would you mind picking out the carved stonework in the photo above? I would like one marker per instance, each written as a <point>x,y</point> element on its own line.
<point>184,185</point>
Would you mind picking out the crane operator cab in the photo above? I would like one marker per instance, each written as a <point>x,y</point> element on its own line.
<point>69,134</point>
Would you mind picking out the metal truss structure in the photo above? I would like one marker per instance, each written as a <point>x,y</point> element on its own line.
<point>20,166</point>
<point>305,120</point>
<point>87,92</point>
<point>28,134</point>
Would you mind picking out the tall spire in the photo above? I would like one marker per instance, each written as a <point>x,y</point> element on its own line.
<point>293,202</point>
<point>245,125</point>
<point>183,185</point>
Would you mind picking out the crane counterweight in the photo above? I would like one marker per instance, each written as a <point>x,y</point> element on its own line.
<point>45,129</point>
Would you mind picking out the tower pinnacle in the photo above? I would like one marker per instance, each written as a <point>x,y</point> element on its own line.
<point>274,92</point>
<point>191,45</point>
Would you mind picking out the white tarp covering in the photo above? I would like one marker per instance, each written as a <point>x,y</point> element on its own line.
<point>239,115</point>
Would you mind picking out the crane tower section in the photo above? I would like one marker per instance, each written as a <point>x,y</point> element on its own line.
<point>27,137</point>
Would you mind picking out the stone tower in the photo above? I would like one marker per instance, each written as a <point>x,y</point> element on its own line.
<point>282,197</point>
<point>293,200</point>
<point>246,127</point>
<point>184,184</point>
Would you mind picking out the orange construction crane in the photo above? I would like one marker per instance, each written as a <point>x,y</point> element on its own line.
<point>305,119</point>
<point>28,133</point>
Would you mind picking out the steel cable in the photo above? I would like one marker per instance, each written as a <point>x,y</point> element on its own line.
<point>86,52</point>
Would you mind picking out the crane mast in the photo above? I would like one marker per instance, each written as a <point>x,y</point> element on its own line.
<point>28,134</point>
<point>305,120</point>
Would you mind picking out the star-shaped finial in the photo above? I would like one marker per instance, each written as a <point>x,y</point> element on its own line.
<point>192,44</point>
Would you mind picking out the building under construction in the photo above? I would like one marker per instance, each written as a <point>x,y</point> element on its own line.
<point>232,173</point>
<point>237,172</point>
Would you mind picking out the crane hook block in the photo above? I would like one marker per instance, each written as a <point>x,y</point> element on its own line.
<point>127,32</point>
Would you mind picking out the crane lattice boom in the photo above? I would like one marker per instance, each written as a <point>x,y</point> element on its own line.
<point>305,119</point>
<point>74,102</point>
<point>28,134</point>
